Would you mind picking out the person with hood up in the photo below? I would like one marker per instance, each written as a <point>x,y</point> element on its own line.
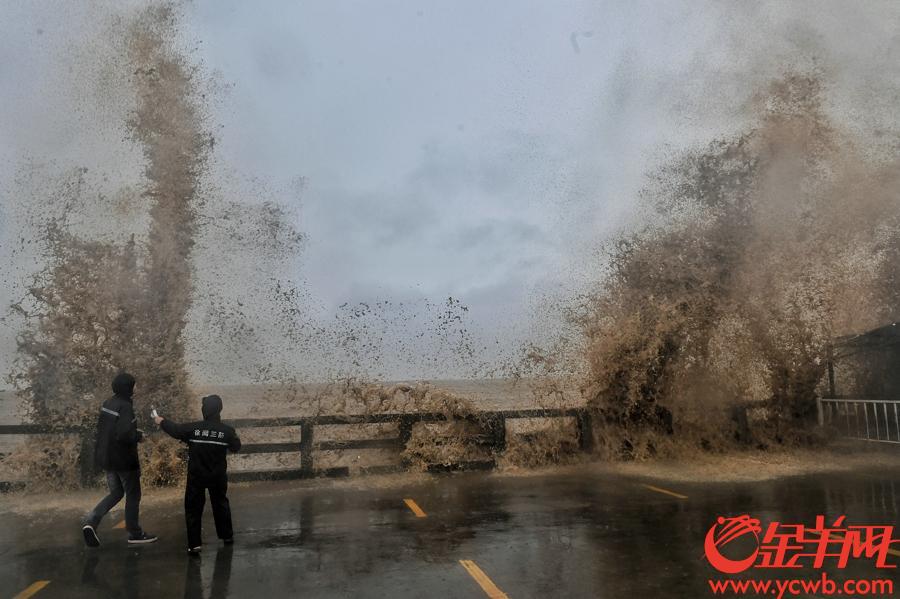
<point>116,453</point>
<point>209,441</point>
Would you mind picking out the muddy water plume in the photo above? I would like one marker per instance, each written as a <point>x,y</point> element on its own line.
<point>712,328</point>
<point>103,303</point>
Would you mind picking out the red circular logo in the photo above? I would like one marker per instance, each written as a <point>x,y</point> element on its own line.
<point>724,531</point>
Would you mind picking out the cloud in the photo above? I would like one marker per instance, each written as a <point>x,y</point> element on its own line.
<point>465,150</point>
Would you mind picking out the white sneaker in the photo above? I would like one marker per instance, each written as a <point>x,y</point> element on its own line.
<point>142,540</point>
<point>90,536</point>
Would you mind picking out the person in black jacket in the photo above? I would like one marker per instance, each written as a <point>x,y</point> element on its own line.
<point>209,441</point>
<point>116,453</point>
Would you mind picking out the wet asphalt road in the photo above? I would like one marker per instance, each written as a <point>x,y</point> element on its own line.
<point>578,534</point>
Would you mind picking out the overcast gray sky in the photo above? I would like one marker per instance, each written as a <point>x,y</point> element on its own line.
<point>480,150</point>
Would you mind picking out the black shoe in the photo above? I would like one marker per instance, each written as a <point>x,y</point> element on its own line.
<point>228,541</point>
<point>142,539</point>
<point>90,536</point>
<point>194,550</point>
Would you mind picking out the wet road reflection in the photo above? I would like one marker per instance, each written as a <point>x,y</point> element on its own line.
<point>579,534</point>
<point>217,585</point>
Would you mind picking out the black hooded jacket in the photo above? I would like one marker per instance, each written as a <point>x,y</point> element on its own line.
<point>117,432</point>
<point>208,441</point>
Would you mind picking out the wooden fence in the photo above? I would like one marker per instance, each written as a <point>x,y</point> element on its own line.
<point>492,427</point>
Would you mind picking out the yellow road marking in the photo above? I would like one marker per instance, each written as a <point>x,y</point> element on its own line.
<point>486,584</point>
<point>672,493</point>
<point>841,538</point>
<point>415,508</point>
<point>120,524</point>
<point>31,590</point>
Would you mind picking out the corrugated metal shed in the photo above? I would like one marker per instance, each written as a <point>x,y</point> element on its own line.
<point>868,364</point>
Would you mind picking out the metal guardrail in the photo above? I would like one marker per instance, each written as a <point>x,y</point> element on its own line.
<point>874,420</point>
<point>493,426</point>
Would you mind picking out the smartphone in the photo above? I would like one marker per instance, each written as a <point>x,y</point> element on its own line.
<point>154,413</point>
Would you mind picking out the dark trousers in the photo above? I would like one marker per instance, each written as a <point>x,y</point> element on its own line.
<point>195,499</point>
<point>121,484</point>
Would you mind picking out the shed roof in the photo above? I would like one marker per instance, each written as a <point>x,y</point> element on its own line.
<point>884,336</point>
